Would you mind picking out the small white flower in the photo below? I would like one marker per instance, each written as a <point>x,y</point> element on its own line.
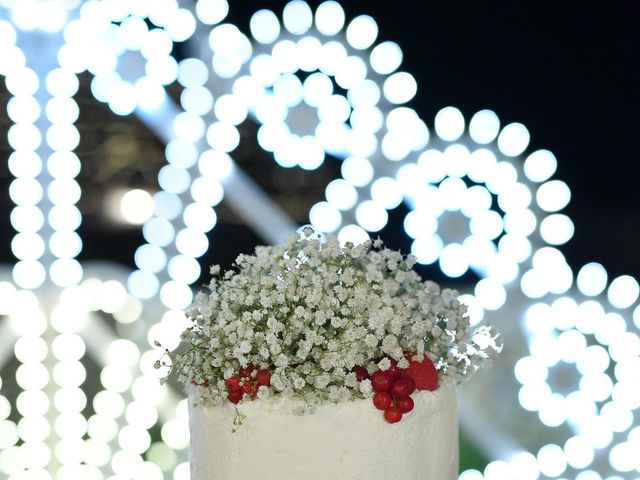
<point>384,364</point>
<point>264,392</point>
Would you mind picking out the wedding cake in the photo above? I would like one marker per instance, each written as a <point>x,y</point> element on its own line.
<point>311,360</point>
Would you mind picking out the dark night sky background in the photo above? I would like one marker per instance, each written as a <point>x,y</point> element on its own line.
<point>567,70</point>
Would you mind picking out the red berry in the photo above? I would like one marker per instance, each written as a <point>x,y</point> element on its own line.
<point>235,396</point>
<point>245,372</point>
<point>233,383</point>
<point>361,373</point>
<point>405,404</point>
<point>403,387</point>
<point>424,373</point>
<point>263,378</point>
<point>382,400</point>
<point>394,366</point>
<point>381,381</point>
<point>392,415</point>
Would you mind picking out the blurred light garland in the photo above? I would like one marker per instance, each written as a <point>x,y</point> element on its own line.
<point>478,201</point>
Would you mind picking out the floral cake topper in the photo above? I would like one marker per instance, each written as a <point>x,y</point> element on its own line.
<point>315,320</point>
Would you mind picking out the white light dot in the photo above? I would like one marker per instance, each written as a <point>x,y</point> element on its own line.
<point>529,370</point>
<point>357,171</point>
<point>158,231</point>
<point>449,124</point>
<point>556,229</point>
<point>136,206</point>
<point>369,119</point>
<point>285,56</point>
<point>484,127</point>
<point>471,475</point>
<point>188,127</point>
<point>297,17</point>
<point>553,196</point>
<point>311,153</point>
<point>597,386</point>
<point>122,98</point>
<point>172,179</point>
<point>350,72</point>
<point>486,224</point>
<point>316,89</point>
<point>200,217</point>
<point>623,457</point>
<point>24,136</point>
<point>215,165</point>
<point>207,190</point>
<point>223,136</point>
<point>325,217</point>
<point>335,108</point>
<point>490,293</point>
<point>61,83</point>
<point>264,26</point>
<point>25,164</point>
<point>623,291</point>
<point>452,191</point>
<point>352,233</point>
<point>400,88</point>
<point>540,165</point>
<point>453,261</point>
<point>230,109</point>
<point>329,18</point>
<point>22,81</point>
<point>362,31</point>
<point>618,417</point>
<point>552,460</point>
<point>191,242</point>
<point>184,269</point>
<point>371,216</point>
<point>29,274</point>
<point>579,453</point>
<point>513,139</point>
<point>24,109</point>
<point>592,279</point>
<point>341,194</point>
<point>212,11</point>
<point>497,470</point>
<point>181,153</point>
<point>193,72</point>
<point>386,192</point>
<point>333,53</point>
<point>386,58</point>
<point>288,88</point>
<point>143,284</point>
<point>27,246</point>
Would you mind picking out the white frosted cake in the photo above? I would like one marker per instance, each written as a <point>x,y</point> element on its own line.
<point>313,360</point>
<point>346,441</point>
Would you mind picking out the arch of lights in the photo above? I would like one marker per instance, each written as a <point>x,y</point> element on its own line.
<point>477,201</point>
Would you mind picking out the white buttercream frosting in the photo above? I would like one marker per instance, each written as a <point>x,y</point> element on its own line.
<point>345,441</point>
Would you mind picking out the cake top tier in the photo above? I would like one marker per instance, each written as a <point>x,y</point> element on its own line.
<point>313,319</point>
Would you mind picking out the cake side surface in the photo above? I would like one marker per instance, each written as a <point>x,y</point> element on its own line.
<point>344,441</point>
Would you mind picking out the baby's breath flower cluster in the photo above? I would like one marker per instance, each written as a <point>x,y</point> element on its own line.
<point>311,310</point>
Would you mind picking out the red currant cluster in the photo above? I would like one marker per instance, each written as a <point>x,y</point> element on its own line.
<point>248,380</point>
<point>394,386</point>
